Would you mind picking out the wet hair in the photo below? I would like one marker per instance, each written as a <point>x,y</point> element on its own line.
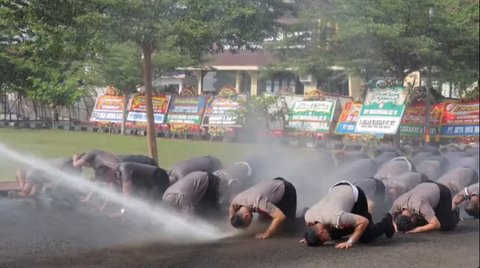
<point>312,239</point>
<point>404,223</point>
<point>237,221</point>
<point>418,220</point>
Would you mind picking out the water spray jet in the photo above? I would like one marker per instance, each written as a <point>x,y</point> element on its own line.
<point>175,225</point>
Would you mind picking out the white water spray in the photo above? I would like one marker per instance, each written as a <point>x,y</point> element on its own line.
<point>172,223</point>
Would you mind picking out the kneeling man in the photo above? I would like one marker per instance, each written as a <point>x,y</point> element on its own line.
<point>425,208</point>
<point>344,211</point>
<point>276,198</point>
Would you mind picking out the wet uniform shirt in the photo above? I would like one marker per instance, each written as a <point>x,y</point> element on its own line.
<point>334,209</point>
<point>141,159</point>
<point>261,198</point>
<point>188,191</point>
<point>422,199</point>
<point>404,182</point>
<point>384,157</point>
<point>393,168</point>
<point>142,175</point>
<point>431,168</point>
<point>204,163</point>
<point>228,185</point>
<point>97,158</point>
<point>469,161</point>
<point>422,156</point>
<point>368,186</point>
<point>457,179</point>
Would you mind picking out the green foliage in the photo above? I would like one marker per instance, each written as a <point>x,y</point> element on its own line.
<point>305,46</point>
<point>55,91</point>
<point>118,65</point>
<point>259,111</point>
<point>387,38</point>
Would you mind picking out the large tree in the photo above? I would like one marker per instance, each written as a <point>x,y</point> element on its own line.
<point>189,27</point>
<point>42,46</point>
<point>399,37</point>
<point>387,38</point>
<point>53,34</point>
<point>118,65</point>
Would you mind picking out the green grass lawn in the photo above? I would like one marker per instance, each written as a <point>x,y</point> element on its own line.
<point>55,143</point>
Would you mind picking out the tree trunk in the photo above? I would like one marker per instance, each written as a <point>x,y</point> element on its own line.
<point>147,50</point>
<point>124,115</point>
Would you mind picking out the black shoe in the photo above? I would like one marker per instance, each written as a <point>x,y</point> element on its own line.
<point>388,223</point>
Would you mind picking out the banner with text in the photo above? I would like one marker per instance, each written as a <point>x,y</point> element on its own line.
<point>137,110</point>
<point>460,119</point>
<point>186,110</point>
<point>222,112</point>
<point>413,120</point>
<point>108,108</point>
<point>382,111</point>
<point>314,116</point>
<point>348,119</point>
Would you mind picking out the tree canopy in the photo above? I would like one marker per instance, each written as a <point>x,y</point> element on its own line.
<point>388,38</point>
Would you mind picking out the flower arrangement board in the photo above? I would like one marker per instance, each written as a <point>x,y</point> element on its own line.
<point>413,120</point>
<point>311,116</point>
<point>186,110</point>
<point>137,109</point>
<point>223,111</point>
<point>348,119</point>
<point>108,108</point>
<point>460,119</point>
<point>382,111</point>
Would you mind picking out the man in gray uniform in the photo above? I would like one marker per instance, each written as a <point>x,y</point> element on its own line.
<point>138,158</point>
<point>105,164</point>
<point>400,184</point>
<point>197,192</point>
<point>203,163</point>
<point>145,180</point>
<point>275,198</point>
<point>425,208</point>
<point>374,190</point>
<point>469,196</point>
<point>431,168</point>
<point>342,212</point>
<point>394,167</point>
<point>459,178</point>
<point>384,157</point>
<point>468,161</point>
<point>32,180</point>
<point>204,192</point>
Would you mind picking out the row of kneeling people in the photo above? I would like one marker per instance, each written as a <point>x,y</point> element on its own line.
<point>202,185</point>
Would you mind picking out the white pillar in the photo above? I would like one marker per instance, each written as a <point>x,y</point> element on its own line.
<point>180,86</point>
<point>253,82</point>
<point>238,82</point>
<point>199,74</point>
<point>355,86</point>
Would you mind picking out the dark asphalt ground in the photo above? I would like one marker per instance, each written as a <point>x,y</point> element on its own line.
<point>48,236</point>
<point>33,237</point>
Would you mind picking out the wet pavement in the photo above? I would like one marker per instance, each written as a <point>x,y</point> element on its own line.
<point>32,237</point>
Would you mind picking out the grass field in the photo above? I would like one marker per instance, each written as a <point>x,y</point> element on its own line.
<point>55,143</point>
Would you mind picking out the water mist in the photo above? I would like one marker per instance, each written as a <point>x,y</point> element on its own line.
<point>169,222</point>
